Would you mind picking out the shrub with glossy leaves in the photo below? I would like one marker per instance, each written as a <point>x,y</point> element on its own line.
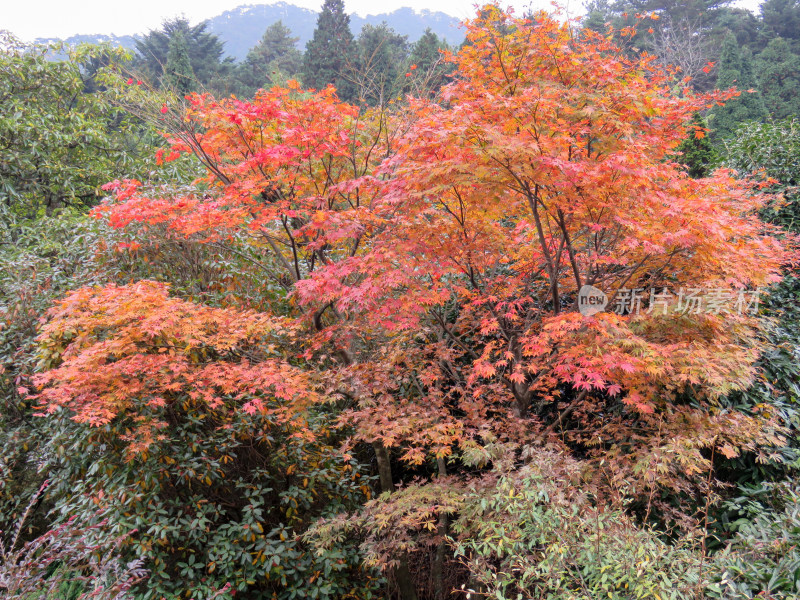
<point>763,557</point>
<point>222,500</point>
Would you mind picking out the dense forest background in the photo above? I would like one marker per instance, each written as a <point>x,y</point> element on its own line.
<point>261,337</point>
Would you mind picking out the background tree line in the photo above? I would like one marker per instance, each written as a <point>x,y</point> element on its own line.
<point>370,68</point>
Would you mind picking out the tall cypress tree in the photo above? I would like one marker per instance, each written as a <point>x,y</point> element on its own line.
<point>779,75</point>
<point>697,152</point>
<point>330,54</point>
<point>736,70</point>
<point>178,73</point>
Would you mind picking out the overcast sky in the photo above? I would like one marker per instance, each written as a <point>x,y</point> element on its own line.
<point>29,19</point>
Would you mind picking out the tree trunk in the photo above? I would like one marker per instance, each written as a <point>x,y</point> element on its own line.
<point>437,569</point>
<point>384,466</point>
<point>401,573</point>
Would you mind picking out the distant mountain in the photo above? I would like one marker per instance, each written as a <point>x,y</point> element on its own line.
<point>242,27</point>
<point>126,41</point>
<point>407,21</point>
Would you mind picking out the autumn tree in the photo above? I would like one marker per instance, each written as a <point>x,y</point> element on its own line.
<point>434,259</point>
<point>205,413</point>
<point>526,230</point>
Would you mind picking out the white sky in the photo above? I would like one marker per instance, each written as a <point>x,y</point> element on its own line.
<point>29,19</point>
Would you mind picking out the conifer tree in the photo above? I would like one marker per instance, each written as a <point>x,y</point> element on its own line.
<point>598,13</point>
<point>381,55</point>
<point>779,74</point>
<point>426,55</point>
<point>178,73</point>
<point>736,70</point>
<point>273,58</point>
<point>330,54</point>
<point>697,152</point>
<point>205,50</point>
<point>782,18</point>
<point>425,51</point>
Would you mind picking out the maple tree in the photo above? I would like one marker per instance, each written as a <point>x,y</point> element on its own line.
<point>454,263</point>
<point>550,166</point>
<point>432,254</point>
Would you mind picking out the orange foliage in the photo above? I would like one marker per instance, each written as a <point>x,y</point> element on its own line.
<point>438,249</point>
<point>131,351</point>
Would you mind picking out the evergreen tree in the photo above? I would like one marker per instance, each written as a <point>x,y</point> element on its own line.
<point>425,51</point>
<point>701,11</point>
<point>736,70</point>
<point>697,152</point>
<point>382,53</point>
<point>178,72</point>
<point>426,55</point>
<point>272,60</point>
<point>204,49</point>
<point>741,23</point>
<point>330,54</point>
<point>782,18</point>
<point>779,74</point>
<point>598,13</point>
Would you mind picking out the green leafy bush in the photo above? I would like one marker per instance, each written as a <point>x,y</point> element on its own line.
<point>536,534</point>
<point>763,557</point>
<point>221,501</point>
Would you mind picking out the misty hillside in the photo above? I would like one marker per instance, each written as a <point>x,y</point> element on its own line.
<point>242,27</point>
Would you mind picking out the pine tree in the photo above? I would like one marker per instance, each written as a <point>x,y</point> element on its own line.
<point>274,58</point>
<point>178,73</point>
<point>381,54</point>
<point>425,51</point>
<point>736,70</point>
<point>779,74</point>
<point>205,50</point>
<point>330,54</point>
<point>598,13</point>
<point>782,18</point>
<point>426,55</point>
<point>701,11</point>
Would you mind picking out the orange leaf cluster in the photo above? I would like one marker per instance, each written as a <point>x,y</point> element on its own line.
<point>438,249</point>
<point>131,351</point>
